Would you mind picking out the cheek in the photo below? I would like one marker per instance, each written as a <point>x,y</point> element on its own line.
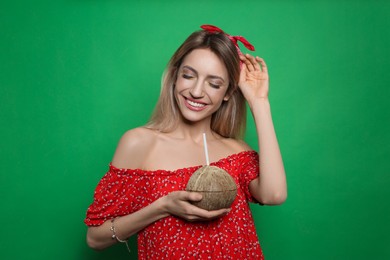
<point>183,84</point>
<point>218,96</point>
<point>180,83</point>
<point>180,86</point>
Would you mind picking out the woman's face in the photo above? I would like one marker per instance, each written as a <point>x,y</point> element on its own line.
<point>201,85</point>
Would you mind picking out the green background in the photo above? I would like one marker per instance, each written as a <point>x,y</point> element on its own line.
<point>75,75</point>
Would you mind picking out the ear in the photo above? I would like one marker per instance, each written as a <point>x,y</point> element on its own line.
<point>228,94</point>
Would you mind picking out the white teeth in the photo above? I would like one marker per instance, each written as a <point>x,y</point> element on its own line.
<point>194,104</point>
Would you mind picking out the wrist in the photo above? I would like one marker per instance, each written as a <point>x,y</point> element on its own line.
<point>260,103</point>
<point>162,207</point>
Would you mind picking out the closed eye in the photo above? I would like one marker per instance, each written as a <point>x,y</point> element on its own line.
<point>186,76</point>
<point>216,86</point>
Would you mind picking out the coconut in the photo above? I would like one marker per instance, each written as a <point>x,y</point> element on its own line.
<point>217,187</point>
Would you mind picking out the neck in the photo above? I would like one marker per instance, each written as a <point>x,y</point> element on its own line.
<point>194,131</point>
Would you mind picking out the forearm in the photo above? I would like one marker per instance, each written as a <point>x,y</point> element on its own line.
<point>270,188</point>
<point>100,237</point>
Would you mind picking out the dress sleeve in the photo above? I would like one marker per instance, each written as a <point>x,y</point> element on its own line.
<point>249,171</point>
<point>115,195</point>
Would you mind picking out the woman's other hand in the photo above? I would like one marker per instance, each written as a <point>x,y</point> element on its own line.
<point>254,79</point>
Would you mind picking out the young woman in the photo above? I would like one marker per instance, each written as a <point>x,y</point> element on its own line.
<point>205,87</point>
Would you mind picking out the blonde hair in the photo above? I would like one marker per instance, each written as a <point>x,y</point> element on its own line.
<point>230,119</point>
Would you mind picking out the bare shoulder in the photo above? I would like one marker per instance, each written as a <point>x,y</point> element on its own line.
<point>233,146</point>
<point>238,145</point>
<point>133,148</point>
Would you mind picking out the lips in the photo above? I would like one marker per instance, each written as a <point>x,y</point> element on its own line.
<point>194,105</point>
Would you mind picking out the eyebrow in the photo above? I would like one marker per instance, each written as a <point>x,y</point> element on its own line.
<point>209,76</point>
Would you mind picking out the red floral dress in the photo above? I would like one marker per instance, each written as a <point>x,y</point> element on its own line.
<point>233,236</point>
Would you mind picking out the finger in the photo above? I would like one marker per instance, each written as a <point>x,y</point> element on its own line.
<point>219,212</point>
<point>192,196</point>
<point>264,67</point>
<point>254,62</point>
<point>216,214</point>
<point>249,63</point>
<point>206,214</point>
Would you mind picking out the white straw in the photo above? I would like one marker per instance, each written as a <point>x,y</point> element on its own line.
<point>205,149</point>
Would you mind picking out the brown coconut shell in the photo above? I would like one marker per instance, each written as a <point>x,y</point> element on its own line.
<point>217,187</point>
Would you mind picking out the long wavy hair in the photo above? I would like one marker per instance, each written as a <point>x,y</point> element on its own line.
<point>230,119</point>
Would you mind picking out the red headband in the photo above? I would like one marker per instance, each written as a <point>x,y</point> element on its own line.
<point>234,39</point>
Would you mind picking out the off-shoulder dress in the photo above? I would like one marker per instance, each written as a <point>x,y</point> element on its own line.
<point>233,236</point>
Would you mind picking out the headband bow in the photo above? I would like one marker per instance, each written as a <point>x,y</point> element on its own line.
<point>234,39</point>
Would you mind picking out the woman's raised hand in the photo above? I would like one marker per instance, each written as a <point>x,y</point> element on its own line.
<point>178,203</point>
<point>254,80</point>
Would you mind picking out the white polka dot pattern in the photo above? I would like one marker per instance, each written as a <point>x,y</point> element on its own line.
<point>123,191</point>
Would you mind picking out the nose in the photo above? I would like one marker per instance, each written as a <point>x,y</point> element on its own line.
<point>197,90</point>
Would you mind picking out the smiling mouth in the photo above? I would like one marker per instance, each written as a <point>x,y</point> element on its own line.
<point>196,106</point>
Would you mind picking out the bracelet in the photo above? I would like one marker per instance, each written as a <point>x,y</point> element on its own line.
<point>114,236</point>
